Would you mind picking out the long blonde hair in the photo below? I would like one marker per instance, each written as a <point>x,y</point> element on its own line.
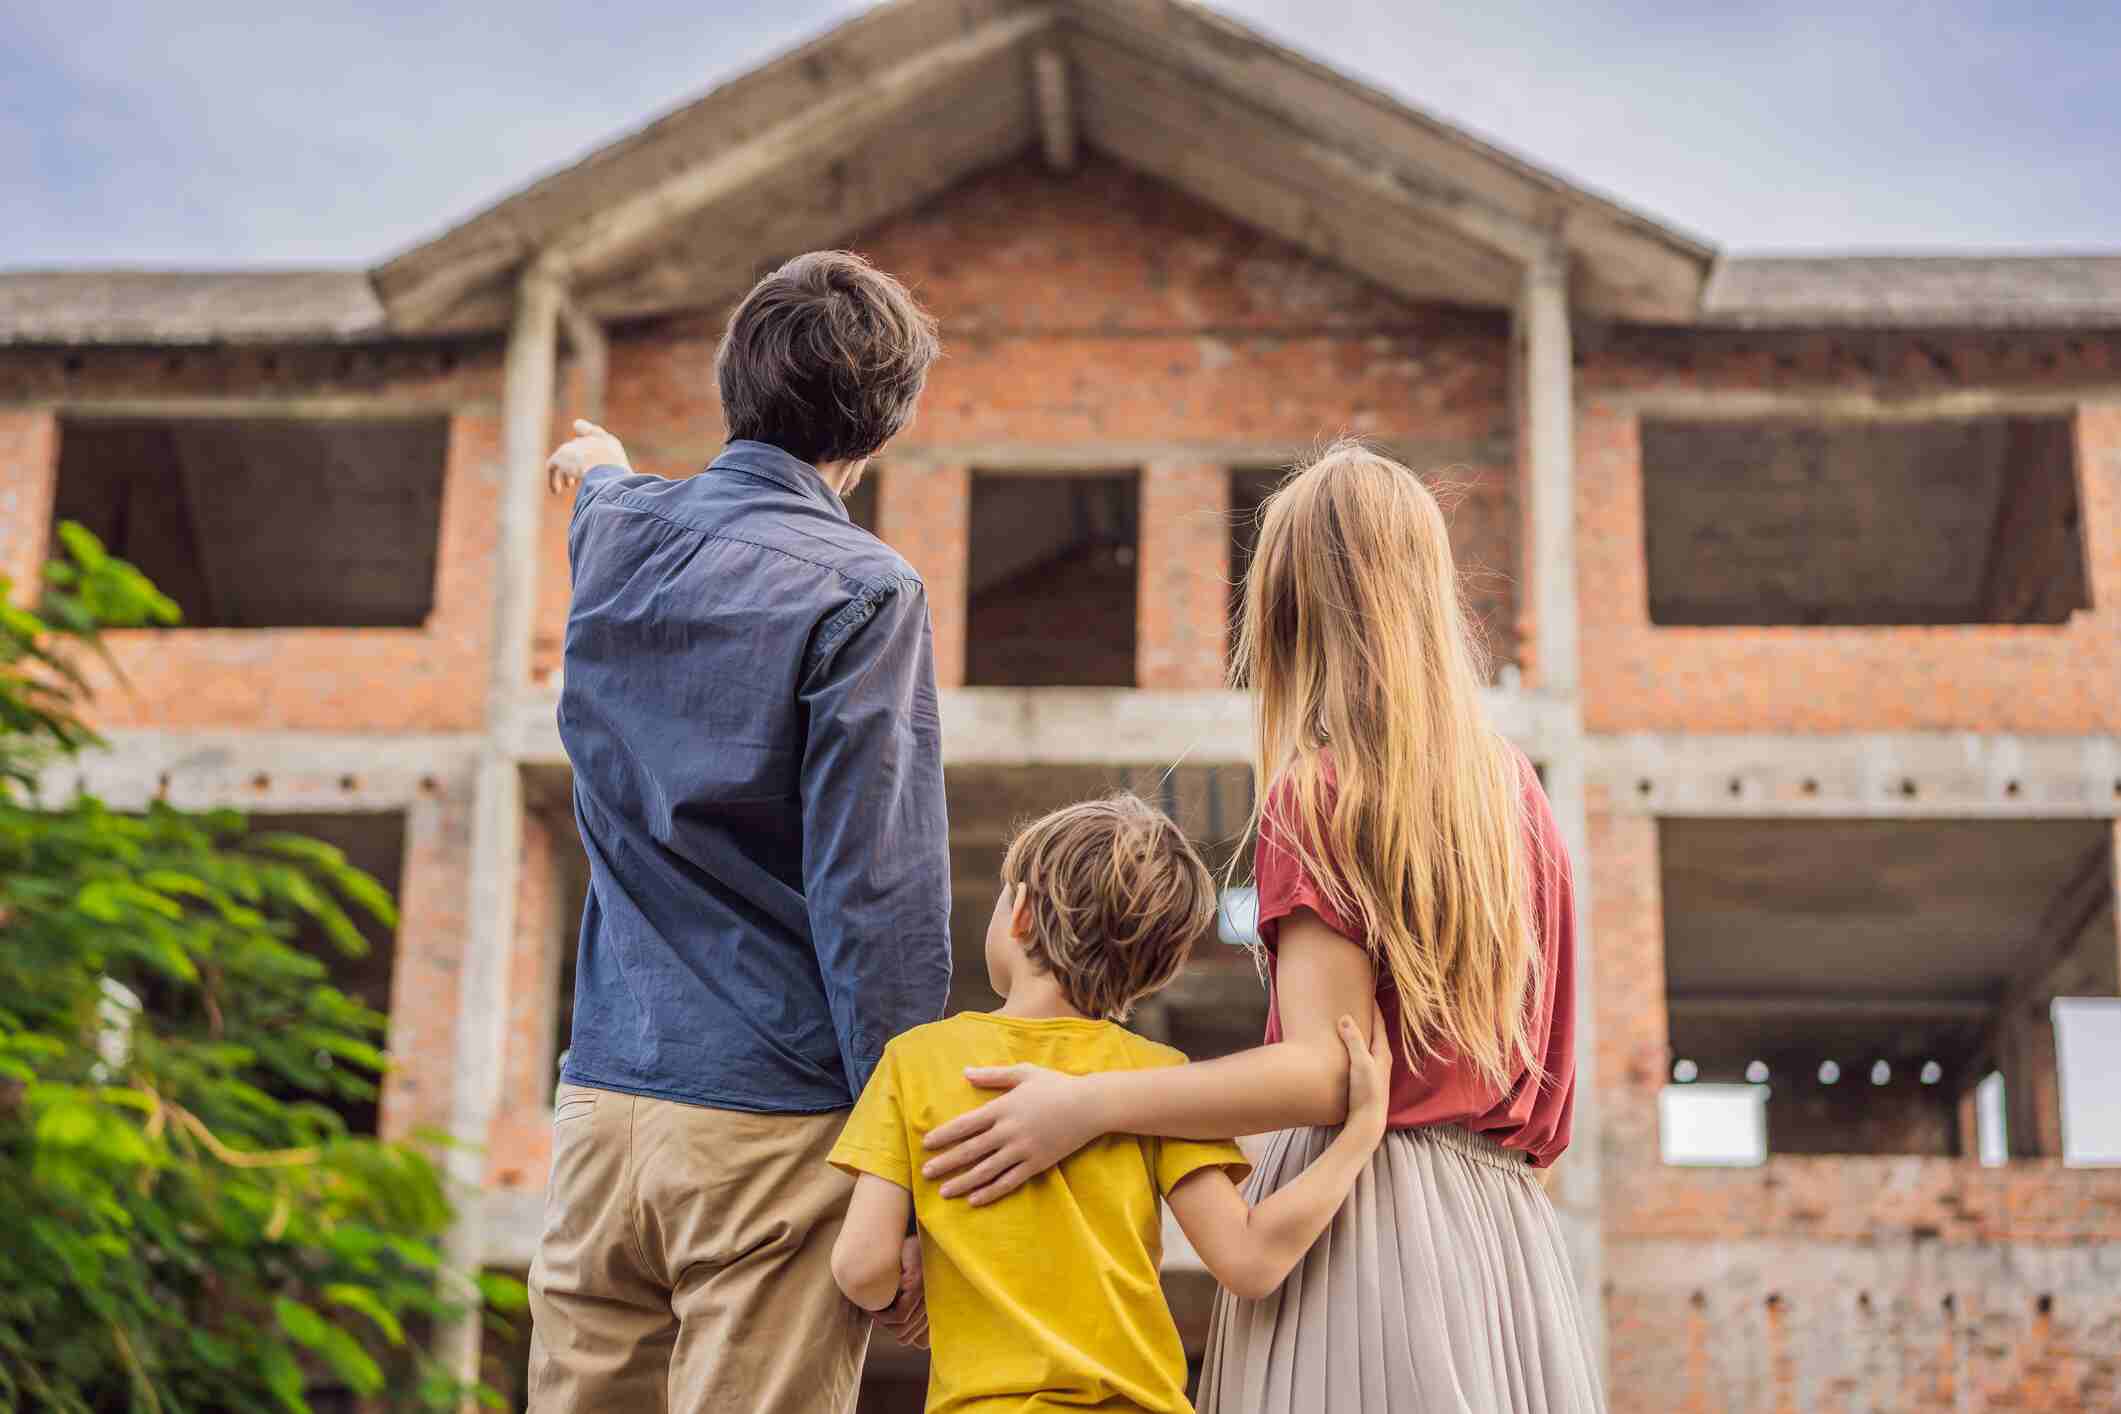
<point>1355,642</point>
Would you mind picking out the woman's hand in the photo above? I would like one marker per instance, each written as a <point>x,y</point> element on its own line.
<point>1369,1074</point>
<point>994,1150</point>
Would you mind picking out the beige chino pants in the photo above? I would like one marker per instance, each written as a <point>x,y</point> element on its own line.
<point>686,1263</point>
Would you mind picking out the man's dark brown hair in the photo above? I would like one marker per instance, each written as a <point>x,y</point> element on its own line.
<point>1118,897</point>
<point>825,358</point>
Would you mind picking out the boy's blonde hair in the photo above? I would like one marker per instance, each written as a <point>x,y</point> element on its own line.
<point>1118,897</point>
<point>1384,776</point>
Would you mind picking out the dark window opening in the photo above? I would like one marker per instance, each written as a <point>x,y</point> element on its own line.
<point>1869,974</point>
<point>1789,521</point>
<point>1053,581</point>
<point>1249,490</point>
<point>264,522</point>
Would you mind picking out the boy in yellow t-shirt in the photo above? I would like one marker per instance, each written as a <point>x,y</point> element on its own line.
<point>1050,1298</point>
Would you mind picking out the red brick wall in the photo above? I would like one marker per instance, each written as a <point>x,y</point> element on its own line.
<point>29,448</point>
<point>1101,319</point>
<point>519,1148</point>
<point>1185,572</point>
<point>433,922</point>
<point>1902,1283</point>
<point>1637,677</point>
<point>924,512</point>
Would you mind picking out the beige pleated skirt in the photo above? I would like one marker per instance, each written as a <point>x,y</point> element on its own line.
<point>1442,1287</point>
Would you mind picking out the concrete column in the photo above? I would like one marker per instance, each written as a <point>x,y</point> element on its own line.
<point>497,799</point>
<point>1548,428</point>
<point>925,513</point>
<point>1547,407</point>
<point>1184,576</point>
<point>29,474</point>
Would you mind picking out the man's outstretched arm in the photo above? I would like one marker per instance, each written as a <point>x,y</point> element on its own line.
<point>876,837</point>
<point>572,460</point>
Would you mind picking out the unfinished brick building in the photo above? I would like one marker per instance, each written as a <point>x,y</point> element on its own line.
<point>1802,578</point>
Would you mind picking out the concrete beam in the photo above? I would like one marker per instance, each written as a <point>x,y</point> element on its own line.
<point>266,771</point>
<point>1856,404</point>
<point>1885,775</point>
<point>1056,726</point>
<point>622,230</point>
<point>1051,94</point>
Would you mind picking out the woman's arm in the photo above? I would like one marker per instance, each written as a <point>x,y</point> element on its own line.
<point>1250,1250</point>
<point>991,1151</point>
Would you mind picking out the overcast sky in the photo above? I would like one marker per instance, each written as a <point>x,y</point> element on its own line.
<point>216,133</point>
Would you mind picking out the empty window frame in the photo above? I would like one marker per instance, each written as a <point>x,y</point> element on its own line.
<point>1867,974</point>
<point>266,522</point>
<point>1053,581</point>
<point>1795,521</point>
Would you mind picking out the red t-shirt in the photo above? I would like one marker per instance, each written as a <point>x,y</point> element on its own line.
<point>1533,1118</point>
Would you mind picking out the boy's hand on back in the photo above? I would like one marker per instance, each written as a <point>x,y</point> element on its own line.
<point>1369,1074</point>
<point>592,446</point>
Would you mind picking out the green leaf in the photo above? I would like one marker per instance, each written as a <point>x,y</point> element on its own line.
<point>360,1298</point>
<point>503,1293</point>
<point>340,1351</point>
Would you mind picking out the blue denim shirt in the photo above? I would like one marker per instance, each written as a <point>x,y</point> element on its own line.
<point>749,705</point>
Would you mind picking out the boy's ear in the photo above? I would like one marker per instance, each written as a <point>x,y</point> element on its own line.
<point>1020,912</point>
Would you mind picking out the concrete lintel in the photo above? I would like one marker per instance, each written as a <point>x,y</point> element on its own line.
<point>1865,775</point>
<point>269,771</point>
<point>1036,726</point>
<point>1852,403</point>
<point>1092,458</point>
<point>323,407</point>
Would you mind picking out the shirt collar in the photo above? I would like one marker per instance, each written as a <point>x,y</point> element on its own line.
<point>770,463</point>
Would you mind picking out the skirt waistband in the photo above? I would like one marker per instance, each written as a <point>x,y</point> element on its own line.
<point>1477,1147</point>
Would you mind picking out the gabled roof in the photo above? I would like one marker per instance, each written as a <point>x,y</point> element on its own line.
<point>884,111</point>
<point>878,115</point>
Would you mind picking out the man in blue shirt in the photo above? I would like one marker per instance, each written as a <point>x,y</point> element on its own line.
<point>749,706</point>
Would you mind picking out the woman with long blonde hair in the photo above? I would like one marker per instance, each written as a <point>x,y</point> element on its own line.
<point>1403,851</point>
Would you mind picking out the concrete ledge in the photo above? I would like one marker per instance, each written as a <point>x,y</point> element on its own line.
<point>510,1223</point>
<point>1034,726</point>
<point>1866,775</point>
<point>254,770</point>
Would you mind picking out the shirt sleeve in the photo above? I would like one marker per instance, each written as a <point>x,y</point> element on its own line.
<point>876,836</point>
<point>1284,881</point>
<point>1176,1159</point>
<point>874,1140</point>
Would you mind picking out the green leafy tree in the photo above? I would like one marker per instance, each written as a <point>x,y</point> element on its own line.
<point>185,1221</point>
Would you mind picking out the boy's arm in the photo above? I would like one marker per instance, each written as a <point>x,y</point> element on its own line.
<point>1250,1250</point>
<point>865,1259</point>
<point>876,838</point>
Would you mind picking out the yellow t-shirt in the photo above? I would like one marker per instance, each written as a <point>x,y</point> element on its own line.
<point>1048,1299</point>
